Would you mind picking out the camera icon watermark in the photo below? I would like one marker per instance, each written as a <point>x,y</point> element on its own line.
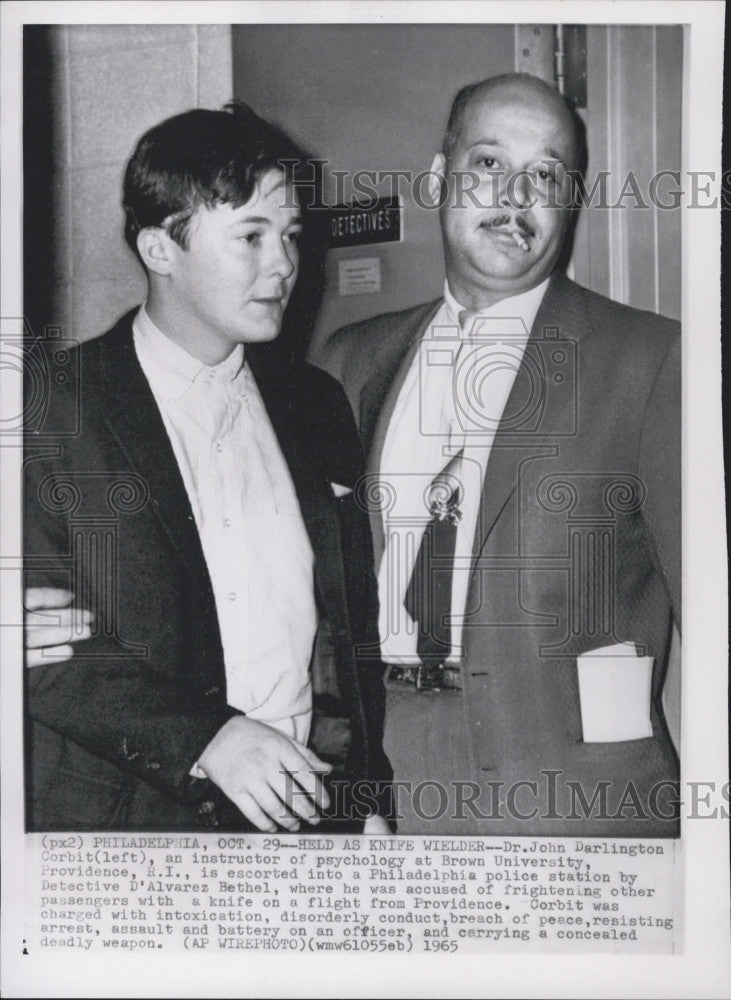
<point>47,363</point>
<point>498,377</point>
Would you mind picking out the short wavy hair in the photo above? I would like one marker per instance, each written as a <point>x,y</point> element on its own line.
<point>199,158</point>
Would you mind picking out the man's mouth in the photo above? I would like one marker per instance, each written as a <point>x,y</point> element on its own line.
<point>515,229</point>
<point>270,300</point>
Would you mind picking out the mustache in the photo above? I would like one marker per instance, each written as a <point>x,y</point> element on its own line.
<point>498,221</point>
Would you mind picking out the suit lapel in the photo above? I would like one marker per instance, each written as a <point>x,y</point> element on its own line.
<point>378,401</point>
<point>561,317</point>
<point>135,422</point>
<point>381,391</point>
<point>137,426</point>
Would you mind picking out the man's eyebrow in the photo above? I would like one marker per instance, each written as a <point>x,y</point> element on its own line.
<point>487,142</point>
<point>263,220</point>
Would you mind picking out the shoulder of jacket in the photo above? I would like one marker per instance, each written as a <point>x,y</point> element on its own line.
<point>380,325</point>
<point>606,312</point>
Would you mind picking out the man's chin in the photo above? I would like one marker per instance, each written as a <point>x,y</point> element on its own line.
<point>507,270</point>
<point>513,264</point>
<point>259,334</point>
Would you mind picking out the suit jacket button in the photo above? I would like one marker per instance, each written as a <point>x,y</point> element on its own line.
<point>207,807</point>
<point>153,765</point>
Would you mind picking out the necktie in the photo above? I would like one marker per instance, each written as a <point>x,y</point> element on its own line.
<point>428,598</point>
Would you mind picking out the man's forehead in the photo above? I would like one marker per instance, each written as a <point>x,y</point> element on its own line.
<point>519,105</point>
<point>272,181</point>
<point>275,190</point>
<point>272,194</point>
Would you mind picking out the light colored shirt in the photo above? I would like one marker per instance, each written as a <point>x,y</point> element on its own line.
<point>452,399</point>
<point>254,541</point>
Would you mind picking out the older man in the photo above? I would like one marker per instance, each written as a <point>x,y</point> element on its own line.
<point>202,509</point>
<point>522,436</point>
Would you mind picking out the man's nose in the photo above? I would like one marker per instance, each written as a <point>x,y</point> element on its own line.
<point>283,260</point>
<point>517,191</point>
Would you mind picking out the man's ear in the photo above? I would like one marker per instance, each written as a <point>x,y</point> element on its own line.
<point>154,246</point>
<point>438,179</point>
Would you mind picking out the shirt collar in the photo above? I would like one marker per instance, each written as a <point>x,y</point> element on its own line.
<point>170,370</point>
<point>524,306</point>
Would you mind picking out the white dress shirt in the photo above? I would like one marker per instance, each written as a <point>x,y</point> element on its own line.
<point>254,541</point>
<point>452,399</point>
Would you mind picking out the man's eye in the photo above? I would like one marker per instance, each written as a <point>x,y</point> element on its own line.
<point>295,236</point>
<point>252,238</point>
<point>490,162</point>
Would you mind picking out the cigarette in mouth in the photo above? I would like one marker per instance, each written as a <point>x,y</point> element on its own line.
<point>520,241</point>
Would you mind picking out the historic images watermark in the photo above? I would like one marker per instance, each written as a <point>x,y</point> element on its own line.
<point>549,184</point>
<point>546,796</point>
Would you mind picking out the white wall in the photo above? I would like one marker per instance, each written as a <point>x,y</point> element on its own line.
<point>109,85</point>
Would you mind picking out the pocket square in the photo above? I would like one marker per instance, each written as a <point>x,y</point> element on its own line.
<point>614,691</point>
<point>340,491</point>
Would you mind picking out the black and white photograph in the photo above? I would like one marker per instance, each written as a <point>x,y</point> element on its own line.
<point>361,438</point>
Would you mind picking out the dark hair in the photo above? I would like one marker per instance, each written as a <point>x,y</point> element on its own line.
<point>200,158</point>
<point>456,114</point>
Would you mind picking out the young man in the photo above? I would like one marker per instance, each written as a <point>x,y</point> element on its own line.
<point>203,513</point>
<point>548,418</point>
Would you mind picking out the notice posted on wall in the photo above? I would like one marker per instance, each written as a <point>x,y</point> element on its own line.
<point>359,277</point>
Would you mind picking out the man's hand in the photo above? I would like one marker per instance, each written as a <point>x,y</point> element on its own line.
<point>376,825</point>
<point>51,625</point>
<point>268,776</point>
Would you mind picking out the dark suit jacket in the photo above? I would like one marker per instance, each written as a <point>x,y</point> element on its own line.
<point>577,547</point>
<point>113,734</point>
